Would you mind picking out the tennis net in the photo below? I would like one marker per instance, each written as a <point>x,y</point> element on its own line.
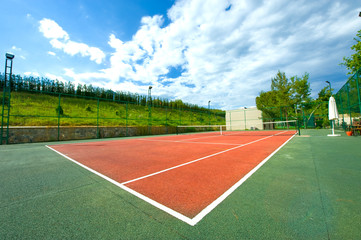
<point>279,128</point>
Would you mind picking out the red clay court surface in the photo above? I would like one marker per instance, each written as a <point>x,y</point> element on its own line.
<point>185,175</point>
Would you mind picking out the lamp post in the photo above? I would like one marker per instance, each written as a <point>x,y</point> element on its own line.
<point>150,110</point>
<point>149,94</point>
<point>5,115</point>
<point>8,66</point>
<point>209,112</point>
<point>330,87</point>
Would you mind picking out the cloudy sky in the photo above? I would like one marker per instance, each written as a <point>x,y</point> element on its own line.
<point>223,51</point>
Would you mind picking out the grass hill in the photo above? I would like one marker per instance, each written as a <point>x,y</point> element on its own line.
<point>51,109</point>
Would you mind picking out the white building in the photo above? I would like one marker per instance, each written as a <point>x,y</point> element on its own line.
<point>244,118</point>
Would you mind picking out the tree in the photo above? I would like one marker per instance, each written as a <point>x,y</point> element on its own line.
<point>282,86</point>
<point>324,94</point>
<point>301,89</point>
<point>353,63</point>
<point>264,102</point>
<point>284,95</point>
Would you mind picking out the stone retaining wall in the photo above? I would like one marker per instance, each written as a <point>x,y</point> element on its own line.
<point>48,134</point>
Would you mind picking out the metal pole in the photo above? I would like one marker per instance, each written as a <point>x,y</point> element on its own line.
<point>209,112</point>
<point>358,90</point>
<point>166,119</point>
<point>59,109</point>
<point>150,110</point>
<point>348,102</point>
<point>98,119</point>
<point>126,119</point>
<point>5,114</point>
<point>330,87</point>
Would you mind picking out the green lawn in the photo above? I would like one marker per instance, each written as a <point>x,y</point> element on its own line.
<point>35,109</point>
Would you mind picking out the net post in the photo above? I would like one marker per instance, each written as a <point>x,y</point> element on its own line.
<point>176,130</point>
<point>298,128</point>
<point>220,129</point>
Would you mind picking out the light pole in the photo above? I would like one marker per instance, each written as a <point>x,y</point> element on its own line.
<point>5,115</point>
<point>330,87</point>
<point>209,112</point>
<point>149,110</point>
<point>149,94</point>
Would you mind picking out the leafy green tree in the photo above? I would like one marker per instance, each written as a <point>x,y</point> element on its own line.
<point>266,102</point>
<point>301,89</point>
<point>284,94</point>
<point>353,63</point>
<point>324,94</point>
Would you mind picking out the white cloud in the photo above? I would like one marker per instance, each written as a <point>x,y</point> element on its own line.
<point>51,53</point>
<point>51,29</point>
<point>33,74</point>
<point>61,40</point>
<point>226,56</point>
<point>15,48</point>
<point>55,77</point>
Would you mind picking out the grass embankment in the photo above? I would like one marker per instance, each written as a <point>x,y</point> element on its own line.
<point>35,109</point>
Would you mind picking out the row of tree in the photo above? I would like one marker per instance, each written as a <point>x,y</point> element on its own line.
<point>290,98</point>
<point>45,85</point>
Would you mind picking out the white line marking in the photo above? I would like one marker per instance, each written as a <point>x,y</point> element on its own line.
<point>220,199</point>
<point>170,211</point>
<point>193,161</point>
<point>154,140</point>
<point>152,202</point>
<point>209,136</point>
<point>160,206</point>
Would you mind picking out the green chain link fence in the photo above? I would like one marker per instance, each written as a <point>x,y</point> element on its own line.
<point>31,108</point>
<point>348,100</point>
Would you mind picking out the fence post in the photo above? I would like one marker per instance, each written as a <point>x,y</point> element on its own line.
<point>230,120</point>
<point>59,110</point>
<point>126,119</point>
<point>149,118</point>
<point>166,119</point>
<point>348,102</point>
<point>245,119</point>
<point>358,90</point>
<point>98,119</point>
<point>341,103</point>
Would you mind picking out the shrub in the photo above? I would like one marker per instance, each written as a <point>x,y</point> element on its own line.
<point>59,110</point>
<point>88,108</point>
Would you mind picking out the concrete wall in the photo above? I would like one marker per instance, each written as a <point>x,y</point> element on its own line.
<point>241,119</point>
<point>48,134</point>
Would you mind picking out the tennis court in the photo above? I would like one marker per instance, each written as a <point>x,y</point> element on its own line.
<point>184,175</point>
<point>271,185</point>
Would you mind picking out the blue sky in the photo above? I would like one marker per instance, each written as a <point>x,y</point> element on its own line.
<point>223,51</point>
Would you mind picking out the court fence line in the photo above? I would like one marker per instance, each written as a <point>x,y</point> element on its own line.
<point>60,110</point>
<point>348,100</point>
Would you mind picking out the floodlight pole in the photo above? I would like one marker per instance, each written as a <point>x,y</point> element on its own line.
<point>150,109</point>
<point>5,116</point>
<point>209,112</point>
<point>332,121</point>
<point>330,87</point>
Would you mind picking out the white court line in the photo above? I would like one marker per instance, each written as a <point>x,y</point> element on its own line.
<point>205,211</point>
<point>170,141</point>
<point>193,161</point>
<point>220,199</point>
<point>211,136</point>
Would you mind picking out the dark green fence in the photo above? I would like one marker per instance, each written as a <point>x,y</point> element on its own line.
<point>348,100</point>
<point>309,115</point>
<point>38,108</point>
